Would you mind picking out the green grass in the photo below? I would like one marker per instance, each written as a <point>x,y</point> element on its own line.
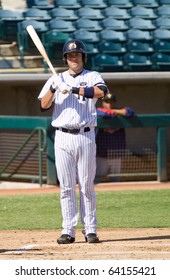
<point>115,209</point>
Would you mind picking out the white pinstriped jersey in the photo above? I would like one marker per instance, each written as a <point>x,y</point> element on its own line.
<point>71,110</point>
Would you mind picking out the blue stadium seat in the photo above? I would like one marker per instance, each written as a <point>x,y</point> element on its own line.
<point>147,3</point>
<point>136,34</point>
<point>162,46</point>
<point>63,13</point>
<point>138,47</point>
<point>86,36</point>
<point>161,33</point>
<point>163,22</point>
<point>9,24</point>
<point>88,24</point>
<point>99,4</point>
<point>164,2</point>
<point>136,62</point>
<point>40,4</point>
<point>107,63</point>
<point>112,48</point>
<point>143,12</point>
<point>91,50</point>
<point>125,4</point>
<point>161,61</point>
<point>163,10</point>
<point>24,40</point>
<point>114,24</point>
<point>141,23</point>
<point>112,35</point>
<point>61,25</point>
<point>36,14</point>
<point>53,42</point>
<point>71,4</point>
<point>90,13</point>
<point>117,13</point>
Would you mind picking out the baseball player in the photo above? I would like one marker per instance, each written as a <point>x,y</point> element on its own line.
<point>111,142</point>
<point>74,94</point>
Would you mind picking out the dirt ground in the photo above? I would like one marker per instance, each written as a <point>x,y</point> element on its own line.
<point>117,244</point>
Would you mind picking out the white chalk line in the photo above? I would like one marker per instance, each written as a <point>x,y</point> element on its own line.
<point>26,249</point>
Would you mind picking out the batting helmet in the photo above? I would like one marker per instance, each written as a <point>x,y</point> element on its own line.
<point>110,97</point>
<point>74,46</point>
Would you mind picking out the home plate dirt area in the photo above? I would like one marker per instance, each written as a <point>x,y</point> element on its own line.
<point>117,244</point>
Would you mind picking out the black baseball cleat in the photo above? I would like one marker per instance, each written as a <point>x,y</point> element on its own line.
<point>65,239</point>
<point>91,238</point>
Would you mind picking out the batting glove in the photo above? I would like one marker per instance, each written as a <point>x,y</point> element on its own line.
<point>64,88</point>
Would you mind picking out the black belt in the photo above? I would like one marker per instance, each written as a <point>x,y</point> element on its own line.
<point>73,131</point>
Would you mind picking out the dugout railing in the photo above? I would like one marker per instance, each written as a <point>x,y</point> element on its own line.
<point>13,127</point>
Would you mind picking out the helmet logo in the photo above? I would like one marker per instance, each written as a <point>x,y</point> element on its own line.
<point>72,46</point>
<point>109,95</point>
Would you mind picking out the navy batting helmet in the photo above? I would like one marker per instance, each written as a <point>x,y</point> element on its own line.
<point>74,46</point>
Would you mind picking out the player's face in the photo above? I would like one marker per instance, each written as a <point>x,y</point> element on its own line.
<point>108,104</point>
<point>75,62</point>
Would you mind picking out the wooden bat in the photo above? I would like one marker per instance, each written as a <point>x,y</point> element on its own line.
<point>35,38</point>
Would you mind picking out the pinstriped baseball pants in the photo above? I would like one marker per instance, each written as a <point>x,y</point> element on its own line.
<point>75,157</point>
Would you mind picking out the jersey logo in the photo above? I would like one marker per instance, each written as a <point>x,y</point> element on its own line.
<point>83,84</point>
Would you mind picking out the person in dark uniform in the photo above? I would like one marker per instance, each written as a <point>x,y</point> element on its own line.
<point>111,142</point>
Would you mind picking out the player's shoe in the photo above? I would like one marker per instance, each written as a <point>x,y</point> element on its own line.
<point>91,238</point>
<point>65,239</point>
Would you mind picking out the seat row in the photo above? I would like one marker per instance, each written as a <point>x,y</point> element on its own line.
<point>100,4</point>
<point>131,62</point>
<point>86,12</point>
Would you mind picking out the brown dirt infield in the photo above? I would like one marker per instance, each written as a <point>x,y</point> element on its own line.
<point>146,244</point>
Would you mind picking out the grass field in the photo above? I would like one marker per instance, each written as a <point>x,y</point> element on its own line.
<point>115,209</point>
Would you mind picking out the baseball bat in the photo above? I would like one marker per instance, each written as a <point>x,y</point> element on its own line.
<point>35,38</point>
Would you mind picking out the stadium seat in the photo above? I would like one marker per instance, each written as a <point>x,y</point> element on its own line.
<point>90,13</point>
<point>136,62</point>
<point>139,47</point>
<point>112,48</point>
<point>61,25</point>
<point>161,33</point>
<point>107,63</point>
<point>136,34</point>
<point>161,61</point>
<point>141,23</point>
<point>86,36</point>
<point>163,22</point>
<point>36,14</point>
<point>88,24</point>
<point>143,12</point>
<point>164,2</point>
<point>112,35</point>
<point>162,46</point>
<point>9,20</point>
<point>91,50</point>
<point>40,4</point>
<point>24,40</point>
<point>71,4</point>
<point>99,4</point>
<point>147,3</point>
<point>114,24</point>
<point>125,4</point>
<point>53,42</point>
<point>62,13</point>
<point>163,10</point>
<point>116,13</point>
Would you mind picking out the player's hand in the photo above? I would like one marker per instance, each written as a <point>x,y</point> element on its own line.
<point>56,81</point>
<point>64,88</point>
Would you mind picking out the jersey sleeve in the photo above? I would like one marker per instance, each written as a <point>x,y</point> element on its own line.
<point>45,88</point>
